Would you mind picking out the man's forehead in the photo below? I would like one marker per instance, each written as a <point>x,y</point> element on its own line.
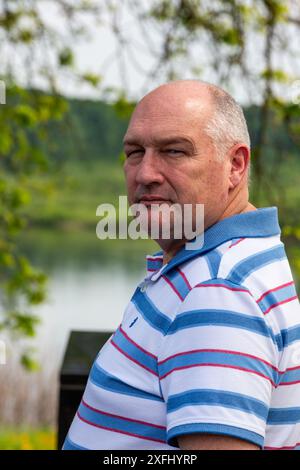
<point>171,107</point>
<point>167,121</point>
<point>159,138</point>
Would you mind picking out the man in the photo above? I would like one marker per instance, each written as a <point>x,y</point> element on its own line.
<point>207,354</point>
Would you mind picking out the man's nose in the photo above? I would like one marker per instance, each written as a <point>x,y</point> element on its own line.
<point>149,170</point>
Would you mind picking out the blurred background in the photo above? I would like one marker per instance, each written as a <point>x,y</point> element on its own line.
<point>70,73</point>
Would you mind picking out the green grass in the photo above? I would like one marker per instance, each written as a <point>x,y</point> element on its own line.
<point>72,199</point>
<point>12,438</point>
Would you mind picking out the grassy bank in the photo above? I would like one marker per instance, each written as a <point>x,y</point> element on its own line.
<point>27,439</point>
<point>69,201</point>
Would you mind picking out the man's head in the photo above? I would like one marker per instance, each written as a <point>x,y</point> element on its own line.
<point>187,142</point>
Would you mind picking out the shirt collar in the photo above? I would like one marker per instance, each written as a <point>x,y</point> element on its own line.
<point>258,223</point>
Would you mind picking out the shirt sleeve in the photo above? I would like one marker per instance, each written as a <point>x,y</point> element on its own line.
<point>217,365</point>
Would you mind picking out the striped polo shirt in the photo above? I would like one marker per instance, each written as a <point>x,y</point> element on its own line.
<point>209,343</point>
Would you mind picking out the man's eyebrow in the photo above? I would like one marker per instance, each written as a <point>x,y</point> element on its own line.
<point>160,141</point>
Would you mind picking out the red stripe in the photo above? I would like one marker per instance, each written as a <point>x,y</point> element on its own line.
<point>280,303</point>
<point>122,417</point>
<point>223,285</point>
<point>184,278</point>
<point>226,366</point>
<point>274,289</point>
<point>237,242</point>
<point>149,258</point>
<point>282,448</point>
<point>137,345</point>
<point>291,368</point>
<point>173,287</point>
<point>226,351</point>
<point>133,360</point>
<point>118,430</point>
<point>289,383</point>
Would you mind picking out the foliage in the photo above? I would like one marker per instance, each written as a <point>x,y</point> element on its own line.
<point>89,131</point>
<point>24,122</point>
<point>27,439</point>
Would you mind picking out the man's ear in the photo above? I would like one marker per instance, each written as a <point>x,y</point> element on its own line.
<point>239,161</point>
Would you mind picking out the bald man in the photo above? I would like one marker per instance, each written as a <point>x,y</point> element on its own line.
<point>207,354</point>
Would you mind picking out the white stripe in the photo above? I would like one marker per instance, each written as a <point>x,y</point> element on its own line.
<point>111,402</point>
<point>216,379</point>
<point>216,415</point>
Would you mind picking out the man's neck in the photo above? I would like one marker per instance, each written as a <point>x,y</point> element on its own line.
<point>232,209</point>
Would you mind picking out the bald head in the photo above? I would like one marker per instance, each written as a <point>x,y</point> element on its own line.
<point>219,115</point>
<point>181,91</point>
<point>186,99</point>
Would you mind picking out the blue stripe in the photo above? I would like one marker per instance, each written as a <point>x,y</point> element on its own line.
<point>245,267</point>
<point>150,313</point>
<point>218,358</point>
<point>277,296</point>
<point>179,283</point>
<point>213,428</point>
<point>284,416</point>
<point>157,253</point>
<point>228,318</point>
<point>213,259</point>
<point>220,398</point>
<point>103,379</point>
<point>134,352</point>
<point>119,424</point>
<point>287,337</point>
<point>290,376</point>
<point>70,445</point>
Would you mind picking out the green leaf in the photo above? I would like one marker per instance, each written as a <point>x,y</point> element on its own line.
<point>29,363</point>
<point>26,36</point>
<point>123,107</point>
<point>25,115</point>
<point>66,57</point>
<point>92,79</point>
<point>6,141</point>
<point>276,75</point>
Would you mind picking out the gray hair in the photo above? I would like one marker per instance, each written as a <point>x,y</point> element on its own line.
<point>227,125</point>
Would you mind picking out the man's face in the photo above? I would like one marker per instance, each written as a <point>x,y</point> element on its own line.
<point>169,157</point>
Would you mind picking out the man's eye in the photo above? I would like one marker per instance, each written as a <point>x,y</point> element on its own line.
<point>135,152</point>
<point>174,151</point>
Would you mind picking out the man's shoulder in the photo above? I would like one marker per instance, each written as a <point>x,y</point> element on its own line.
<point>253,258</point>
<point>239,260</point>
<point>257,266</point>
